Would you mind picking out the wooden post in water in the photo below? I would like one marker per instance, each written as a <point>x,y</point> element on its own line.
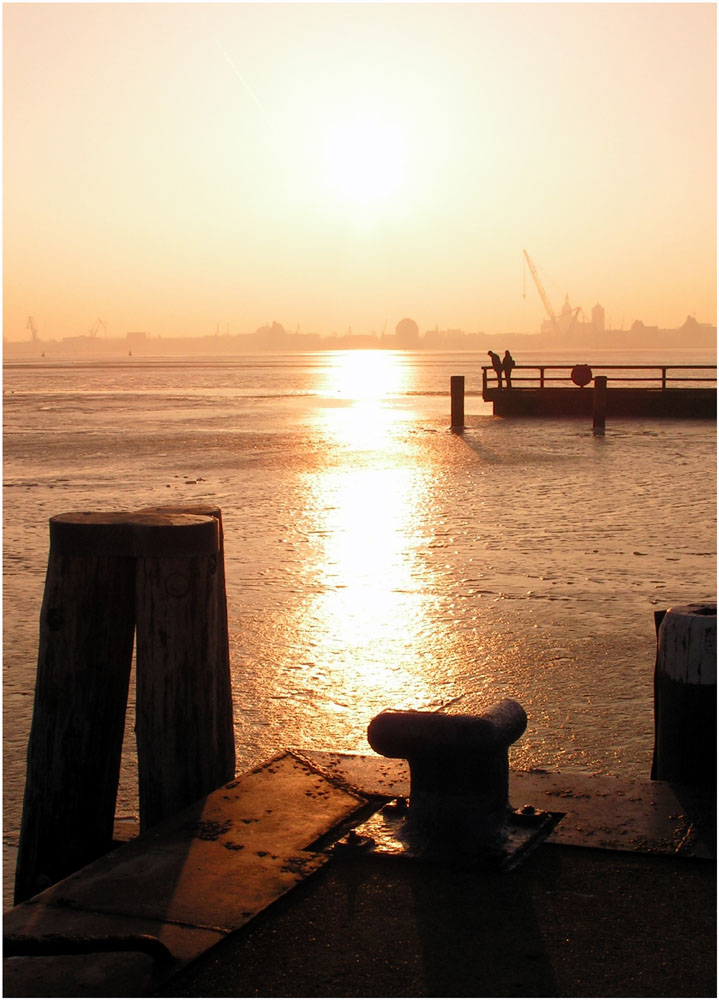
<point>161,571</point>
<point>185,738</point>
<point>600,405</point>
<point>83,673</point>
<point>222,678</point>
<point>456,384</point>
<point>685,680</point>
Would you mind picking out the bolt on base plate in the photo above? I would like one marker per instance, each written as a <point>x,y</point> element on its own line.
<point>382,834</point>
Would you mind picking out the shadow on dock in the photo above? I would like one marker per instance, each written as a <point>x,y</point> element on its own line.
<point>618,901</point>
<point>570,922</point>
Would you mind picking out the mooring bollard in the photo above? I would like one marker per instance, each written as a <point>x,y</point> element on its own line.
<point>459,773</point>
<point>599,409</point>
<point>456,386</point>
<point>685,679</point>
<point>107,572</point>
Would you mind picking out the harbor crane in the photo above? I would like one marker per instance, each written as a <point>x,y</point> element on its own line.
<point>568,314</point>
<point>96,326</point>
<point>542,293</point>
<point>30,325</point>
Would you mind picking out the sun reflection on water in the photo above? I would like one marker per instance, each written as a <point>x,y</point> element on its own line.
<point>366,375</point>
<point>372,622</point>
<point>367,516</point>
<point>370,601</point>
<point>360,390</point>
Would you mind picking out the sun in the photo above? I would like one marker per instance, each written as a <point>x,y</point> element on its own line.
<point>364,159</point>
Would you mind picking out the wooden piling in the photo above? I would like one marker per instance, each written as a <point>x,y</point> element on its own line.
<point>185,738</point>
<point>456,384</point>
<point>599,405</point>
<point>83,674</point>
<point>162,572</point>
<point>685,696</point>
<point>211,510</point>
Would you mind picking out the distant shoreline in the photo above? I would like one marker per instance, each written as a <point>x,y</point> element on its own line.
<point>698,337</point>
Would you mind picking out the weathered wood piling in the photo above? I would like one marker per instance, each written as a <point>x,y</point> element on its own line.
<point>456,387</point>
<point>108,574</point>
<point>185,739</point>
<point>599,405</point>
<point>685,680</point>
<point>83,674</point>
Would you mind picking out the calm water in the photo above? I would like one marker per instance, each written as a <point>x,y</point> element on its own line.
<point>374,559</point>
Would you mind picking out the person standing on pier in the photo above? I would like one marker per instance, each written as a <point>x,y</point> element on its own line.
<point>507,366</point>
<point>497,365</point>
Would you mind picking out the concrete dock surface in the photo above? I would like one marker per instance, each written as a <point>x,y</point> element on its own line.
<point>262,889</point>
<point>569,922</point>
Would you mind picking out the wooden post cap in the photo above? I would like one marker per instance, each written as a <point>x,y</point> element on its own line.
<point>184,508</point>
<point>424,734</point>
<point>687,644</point>
<point>685,677</point>
<point>88,533</point>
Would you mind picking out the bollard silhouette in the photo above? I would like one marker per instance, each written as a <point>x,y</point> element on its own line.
<point>459,774</point>
<point>107,572</point>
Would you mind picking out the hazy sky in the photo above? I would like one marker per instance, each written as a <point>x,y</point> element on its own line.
<point>168,167</point>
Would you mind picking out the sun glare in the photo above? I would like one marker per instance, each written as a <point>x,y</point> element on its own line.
<point>362,375</point>
<point>360,386</point>
<point>369,525</point>
<point>365,161</point>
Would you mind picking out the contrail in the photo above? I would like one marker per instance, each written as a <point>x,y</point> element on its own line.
<point>245,84</point>
<point>242,80</point>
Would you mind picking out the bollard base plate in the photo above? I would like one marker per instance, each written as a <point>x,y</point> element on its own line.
<point>382,834</point>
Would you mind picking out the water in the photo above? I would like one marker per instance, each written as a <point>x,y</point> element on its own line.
<point>374,559</point>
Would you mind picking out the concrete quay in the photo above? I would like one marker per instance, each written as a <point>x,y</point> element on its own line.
<point>261,889</point>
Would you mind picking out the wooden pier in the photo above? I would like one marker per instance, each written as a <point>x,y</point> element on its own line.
<point>660,391</point>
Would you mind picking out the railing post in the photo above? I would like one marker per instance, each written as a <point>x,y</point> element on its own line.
<point>664,378</point>
<point>541,378</point>
<point>457,392</point>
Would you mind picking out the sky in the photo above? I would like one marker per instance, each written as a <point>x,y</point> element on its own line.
<point>183,168</point>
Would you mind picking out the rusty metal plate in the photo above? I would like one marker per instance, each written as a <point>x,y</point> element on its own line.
<point>382,834</point>
<point>621,814</point>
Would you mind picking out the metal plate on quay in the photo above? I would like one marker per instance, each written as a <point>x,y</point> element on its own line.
<point>384,834</point>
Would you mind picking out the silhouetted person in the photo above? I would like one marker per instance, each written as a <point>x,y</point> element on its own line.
<point>497,365</point>
<point>507,366</point>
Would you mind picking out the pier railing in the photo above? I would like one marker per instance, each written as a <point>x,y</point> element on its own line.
<point>649,376</point>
